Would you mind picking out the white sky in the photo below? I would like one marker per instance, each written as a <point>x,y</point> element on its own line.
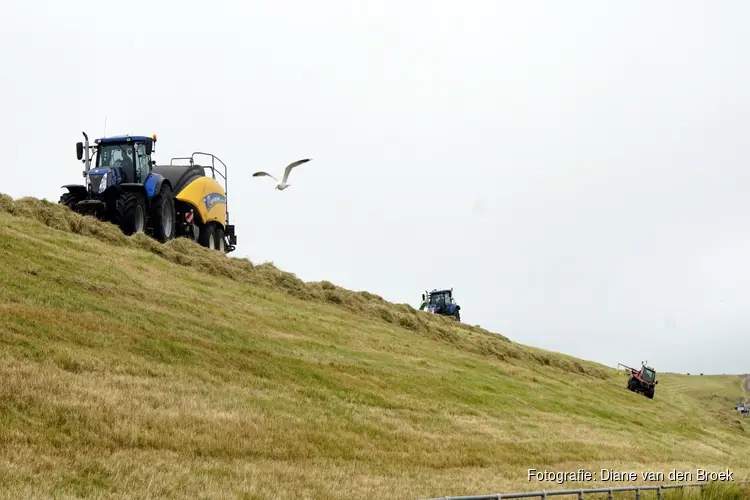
<point>575,170</point>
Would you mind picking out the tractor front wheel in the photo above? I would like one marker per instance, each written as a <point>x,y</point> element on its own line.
<point>163,215</point>
<point>131,213</point>
<point>71,199</point>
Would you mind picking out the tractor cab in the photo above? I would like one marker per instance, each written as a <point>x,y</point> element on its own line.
<point>442,302</point>
<point>118,160</point>
<point>648,374</point>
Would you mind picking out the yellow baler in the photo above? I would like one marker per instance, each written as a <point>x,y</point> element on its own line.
<point>201,209</point>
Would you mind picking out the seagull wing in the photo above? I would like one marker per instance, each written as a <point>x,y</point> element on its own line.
<point>261,174</point>
<point>291,166</point>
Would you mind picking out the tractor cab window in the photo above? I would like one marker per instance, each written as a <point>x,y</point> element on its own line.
<point>438,300</point>
<point>117,155</point>
<point>648,375</point>
<point>142,166</point>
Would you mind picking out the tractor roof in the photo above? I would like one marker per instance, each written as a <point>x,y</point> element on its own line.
<point>435,292</point>
<point>119,139</point>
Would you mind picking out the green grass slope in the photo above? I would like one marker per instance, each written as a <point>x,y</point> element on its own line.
<point>131,369</point>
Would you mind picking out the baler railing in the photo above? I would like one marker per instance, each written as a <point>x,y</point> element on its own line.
<point>213,168</point>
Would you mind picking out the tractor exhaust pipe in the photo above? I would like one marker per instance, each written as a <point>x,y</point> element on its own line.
<point>87,159</point>
<point>86,151</point>
<point>81,149</point>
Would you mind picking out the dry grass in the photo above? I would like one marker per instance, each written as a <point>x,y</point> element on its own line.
<point>132,369</point>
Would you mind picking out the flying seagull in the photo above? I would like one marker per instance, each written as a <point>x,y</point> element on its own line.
<point>283,185</point>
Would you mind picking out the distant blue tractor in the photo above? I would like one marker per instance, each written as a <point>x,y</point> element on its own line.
<point>441,302</point>
<point>121,188</point>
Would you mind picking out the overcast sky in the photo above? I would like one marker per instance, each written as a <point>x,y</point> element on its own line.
<point>576,171</point>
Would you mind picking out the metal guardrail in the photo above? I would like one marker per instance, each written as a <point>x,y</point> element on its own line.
<point>581,492</point>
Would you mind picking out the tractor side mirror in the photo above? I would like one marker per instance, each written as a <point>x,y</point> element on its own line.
<point>656,382</point>
<point>149,147</point>
<point>422,296</point>
<point>79,150</point>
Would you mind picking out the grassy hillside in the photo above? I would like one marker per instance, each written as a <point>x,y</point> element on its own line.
<point>135,370</point>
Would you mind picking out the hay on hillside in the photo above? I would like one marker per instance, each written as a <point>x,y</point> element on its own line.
<point>185,252</point>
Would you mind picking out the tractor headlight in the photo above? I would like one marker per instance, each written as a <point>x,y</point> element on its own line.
<point>103,183</point>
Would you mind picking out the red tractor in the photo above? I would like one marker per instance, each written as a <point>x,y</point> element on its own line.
<point>643,380</point>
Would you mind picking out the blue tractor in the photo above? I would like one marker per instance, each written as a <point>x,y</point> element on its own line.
<point>122,188</point>
<point>441,302</point>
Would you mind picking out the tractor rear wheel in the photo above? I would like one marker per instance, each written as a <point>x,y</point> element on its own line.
<point>163,215</point>
<point>131,213</point>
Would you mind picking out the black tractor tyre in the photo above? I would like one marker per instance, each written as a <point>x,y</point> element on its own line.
<point>650,393</point>
<point>220,243</point>
<point>458,316</point>
<point>70,199</point>
<point>631,384</point>
<point>131,213</point>
<point>163,215</point>
<point>207,236</point>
